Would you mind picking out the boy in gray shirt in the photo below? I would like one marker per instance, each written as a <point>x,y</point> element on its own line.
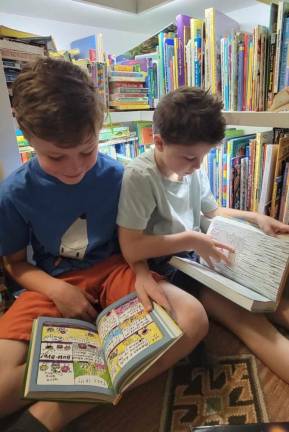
<point>163,195</point>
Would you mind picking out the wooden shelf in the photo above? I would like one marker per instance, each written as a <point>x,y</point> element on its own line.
<point>241,118</point>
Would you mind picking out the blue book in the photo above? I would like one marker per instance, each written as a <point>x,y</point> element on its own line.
<point>198,60</point>
<point>284,54</point>
<point>84,45</point>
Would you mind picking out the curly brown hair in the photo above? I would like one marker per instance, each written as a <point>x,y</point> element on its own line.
<point>189,115</point>
<point>56,101</point>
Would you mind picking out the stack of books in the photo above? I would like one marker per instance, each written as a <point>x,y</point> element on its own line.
<point>127,89</point>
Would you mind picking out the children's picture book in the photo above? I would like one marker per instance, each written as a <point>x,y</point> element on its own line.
<point>258,270</point>
<point>75,360</point>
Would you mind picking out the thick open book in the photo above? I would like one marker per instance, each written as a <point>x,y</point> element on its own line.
<point>75,360</point>
<point>259,269</point>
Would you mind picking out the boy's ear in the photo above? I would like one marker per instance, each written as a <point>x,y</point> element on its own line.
<point>159,143</point>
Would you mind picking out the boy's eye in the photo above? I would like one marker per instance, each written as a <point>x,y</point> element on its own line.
<point>88,154</point>
<point>55,159</point>
<point>190,159</point>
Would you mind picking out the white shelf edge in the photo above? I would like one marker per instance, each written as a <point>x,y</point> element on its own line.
<point>241,118</point>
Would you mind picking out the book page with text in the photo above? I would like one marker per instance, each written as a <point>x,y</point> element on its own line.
<point>259,260</point>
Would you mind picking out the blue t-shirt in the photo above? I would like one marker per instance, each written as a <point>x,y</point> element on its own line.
<point>69,226</point>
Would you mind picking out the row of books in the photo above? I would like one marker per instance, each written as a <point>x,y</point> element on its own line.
<point>120,142</point>
<point>250,172</point>
<point>246,69</point>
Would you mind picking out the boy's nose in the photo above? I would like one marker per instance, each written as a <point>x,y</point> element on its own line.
<point>74,167</point>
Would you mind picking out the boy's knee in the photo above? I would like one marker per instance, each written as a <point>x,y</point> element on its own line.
<point>194,320</point>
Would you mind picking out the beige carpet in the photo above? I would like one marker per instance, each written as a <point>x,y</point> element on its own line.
<point>140,410</point>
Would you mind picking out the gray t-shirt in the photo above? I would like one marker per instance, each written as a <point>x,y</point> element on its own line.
<point>157,205</point>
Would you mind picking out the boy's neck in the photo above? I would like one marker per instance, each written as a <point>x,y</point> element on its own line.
<point>163,168</point>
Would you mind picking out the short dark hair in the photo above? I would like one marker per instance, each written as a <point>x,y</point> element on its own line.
<point>56,100</point>
<point>189,115</point>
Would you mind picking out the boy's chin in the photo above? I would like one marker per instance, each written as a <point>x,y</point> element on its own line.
<point>71,180</point>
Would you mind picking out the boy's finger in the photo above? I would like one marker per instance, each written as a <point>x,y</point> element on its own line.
<point>161,299</point>
<point>210,263</point>
<point>284,229</point>
<point>144,299</point>
<point>224,246</point>
<point>89,297</point>
<point>91,312</point>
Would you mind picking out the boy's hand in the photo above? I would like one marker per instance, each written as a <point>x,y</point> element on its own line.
<point>211,250</point>
<point>271,226</point>
<point>72,302</point>
<point>148,289</point>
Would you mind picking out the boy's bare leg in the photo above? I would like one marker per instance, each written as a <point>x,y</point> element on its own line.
<point>255,330</point>
<point>12,366</point>
<point>189,314</point>
<point>281,316</point>
<point>191,317</point>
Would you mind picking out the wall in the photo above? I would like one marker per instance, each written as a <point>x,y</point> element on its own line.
<point>115,41</point>
<point>251,16</point>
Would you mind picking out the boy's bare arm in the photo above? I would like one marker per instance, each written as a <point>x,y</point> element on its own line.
<point>268,224</point>
<point>137,246</point>
<point>69,299</point>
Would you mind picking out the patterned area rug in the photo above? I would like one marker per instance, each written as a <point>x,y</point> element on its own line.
<point>225,392</point>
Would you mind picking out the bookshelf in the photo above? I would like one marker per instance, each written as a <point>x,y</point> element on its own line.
<point>9,154</point>
<point>241,118</point>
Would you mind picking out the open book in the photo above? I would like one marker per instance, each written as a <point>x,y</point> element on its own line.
<point>75,360</point>
<point>259,269</point>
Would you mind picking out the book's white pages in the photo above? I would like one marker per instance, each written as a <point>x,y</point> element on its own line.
<point>260,260</point>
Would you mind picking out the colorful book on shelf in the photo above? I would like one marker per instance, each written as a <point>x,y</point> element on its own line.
<point>262,138</point>
<point>75,360</point>
<point>131,107</point>
<point>285,186</point>
<point>182,21</point>
<point>282,158</point>
<point>272,51</point>
<point>259,268</point>
<point>283,10</point>
<point>127,79</point>
<point>218,25</point>
<point>267,180</point>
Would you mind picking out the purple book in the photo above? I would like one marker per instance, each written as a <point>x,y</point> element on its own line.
<point>182,21</point>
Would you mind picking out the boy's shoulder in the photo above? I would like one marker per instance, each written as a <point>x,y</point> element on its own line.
<point>16,180</point>
<point>106,162</point>
<point>142,165</point>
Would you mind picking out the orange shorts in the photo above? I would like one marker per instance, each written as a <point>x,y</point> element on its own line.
<point>107,281</point>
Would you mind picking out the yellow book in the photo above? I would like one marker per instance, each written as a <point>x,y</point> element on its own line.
<point>196,27</point>
<point>129,107</point>
<point>249,80</point>
<point>217,26</point>
<point>74,360</point>
<point>175,64</point>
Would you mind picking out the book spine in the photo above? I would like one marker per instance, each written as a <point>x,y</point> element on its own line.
<point>182,21</point>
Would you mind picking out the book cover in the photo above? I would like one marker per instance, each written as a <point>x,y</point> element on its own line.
<point>182,21</point>
<point>218,25</point>
<point>259,267</point>
<point>71,359</point>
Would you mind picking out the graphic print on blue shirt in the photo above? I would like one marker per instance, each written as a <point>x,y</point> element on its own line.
<point>69,226</point>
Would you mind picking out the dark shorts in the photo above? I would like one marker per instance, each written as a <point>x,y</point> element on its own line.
<point>176,277</point>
